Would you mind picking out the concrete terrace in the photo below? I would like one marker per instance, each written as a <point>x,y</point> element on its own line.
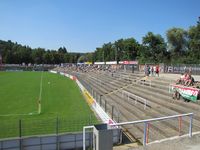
<point>108,87</point>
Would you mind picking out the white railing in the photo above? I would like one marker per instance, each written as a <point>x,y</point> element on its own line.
<point>147,121</point>
<point>146,126</point>
<point>135,98</point>
<point>84,128</point>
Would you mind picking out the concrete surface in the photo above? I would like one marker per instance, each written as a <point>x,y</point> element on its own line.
<point>177,76</point>
<point>184,143</point>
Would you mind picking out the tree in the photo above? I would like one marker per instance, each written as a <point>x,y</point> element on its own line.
<point>62,50</point>
<point>126,49</point>
<point>178,43</point>
<point>37,55</point>
<point>194,43</point>
<point>48,57</point>
<point>88,57</point>
<point>131,47</point>
<point>108,52</point>
<point>14,53</point>
<point>119,47</point>
<point>66,57</point>
<point>99,55</point>
<point>153,49</point>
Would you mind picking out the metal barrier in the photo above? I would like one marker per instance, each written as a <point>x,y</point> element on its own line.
<point>84,133</point>
<point>181,68</point>
<point>147,126</point>
<point>148,121</point>
<point>135,97</point>
<point>52,125</point>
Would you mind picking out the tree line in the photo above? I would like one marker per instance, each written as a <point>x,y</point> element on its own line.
<point>14,53</point>
<point>180,46</point>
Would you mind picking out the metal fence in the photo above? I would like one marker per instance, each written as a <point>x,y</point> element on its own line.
<point>67,141</point>
<point>181,68</point>
<point>29,127</point>
<point>163,128</point>
<point>109,108</point>
<point>17,67</point>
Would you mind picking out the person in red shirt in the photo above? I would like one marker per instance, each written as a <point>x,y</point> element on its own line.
<point>157,70</point>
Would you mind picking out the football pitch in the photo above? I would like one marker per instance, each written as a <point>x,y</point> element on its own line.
<point>63,108</point>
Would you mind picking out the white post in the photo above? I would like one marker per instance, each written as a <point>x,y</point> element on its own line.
<point>145,134</point>
<point>86,127</point>
<point>83,138</point>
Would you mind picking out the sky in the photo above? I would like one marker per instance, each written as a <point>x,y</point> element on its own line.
<point>84,25</point>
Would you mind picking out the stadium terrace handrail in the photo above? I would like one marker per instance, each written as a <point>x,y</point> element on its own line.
<point>137,98</point>
<point>146,125</point>
<point>146,121</point>
<point>151,120</point>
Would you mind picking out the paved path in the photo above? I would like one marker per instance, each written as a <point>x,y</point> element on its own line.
<point>185,143</point>
<point>177,76</point>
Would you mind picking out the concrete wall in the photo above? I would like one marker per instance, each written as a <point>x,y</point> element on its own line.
<point>52,142</point>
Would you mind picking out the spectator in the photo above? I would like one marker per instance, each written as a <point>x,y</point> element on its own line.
<point>189,80</point>
<point>147,70</point>
<point>157,70</point>
<point>181,80</point>
<point>152,72</point>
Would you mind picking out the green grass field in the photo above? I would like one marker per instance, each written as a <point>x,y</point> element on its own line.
<point>62,105</point>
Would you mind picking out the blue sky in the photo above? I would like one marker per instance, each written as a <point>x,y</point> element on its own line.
<point>83,25</point>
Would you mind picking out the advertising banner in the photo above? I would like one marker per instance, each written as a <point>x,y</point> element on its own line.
<point>99,63</point>
<point>128,62</point>
<point>88,63</point>
<point>187,92</point>
<point>53,71</point>
<point>111,62</point>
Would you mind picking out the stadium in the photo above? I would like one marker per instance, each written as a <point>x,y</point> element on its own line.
<point>99,75</point>
<point>65,100</point>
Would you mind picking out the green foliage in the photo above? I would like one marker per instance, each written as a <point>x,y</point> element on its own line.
<point>123,49</point>
<point>153,49</point>
<point>14,53</point>
<point>88,57</point>
<point>178,43</point>
<point>182,46</point>
<point>194,43</point>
